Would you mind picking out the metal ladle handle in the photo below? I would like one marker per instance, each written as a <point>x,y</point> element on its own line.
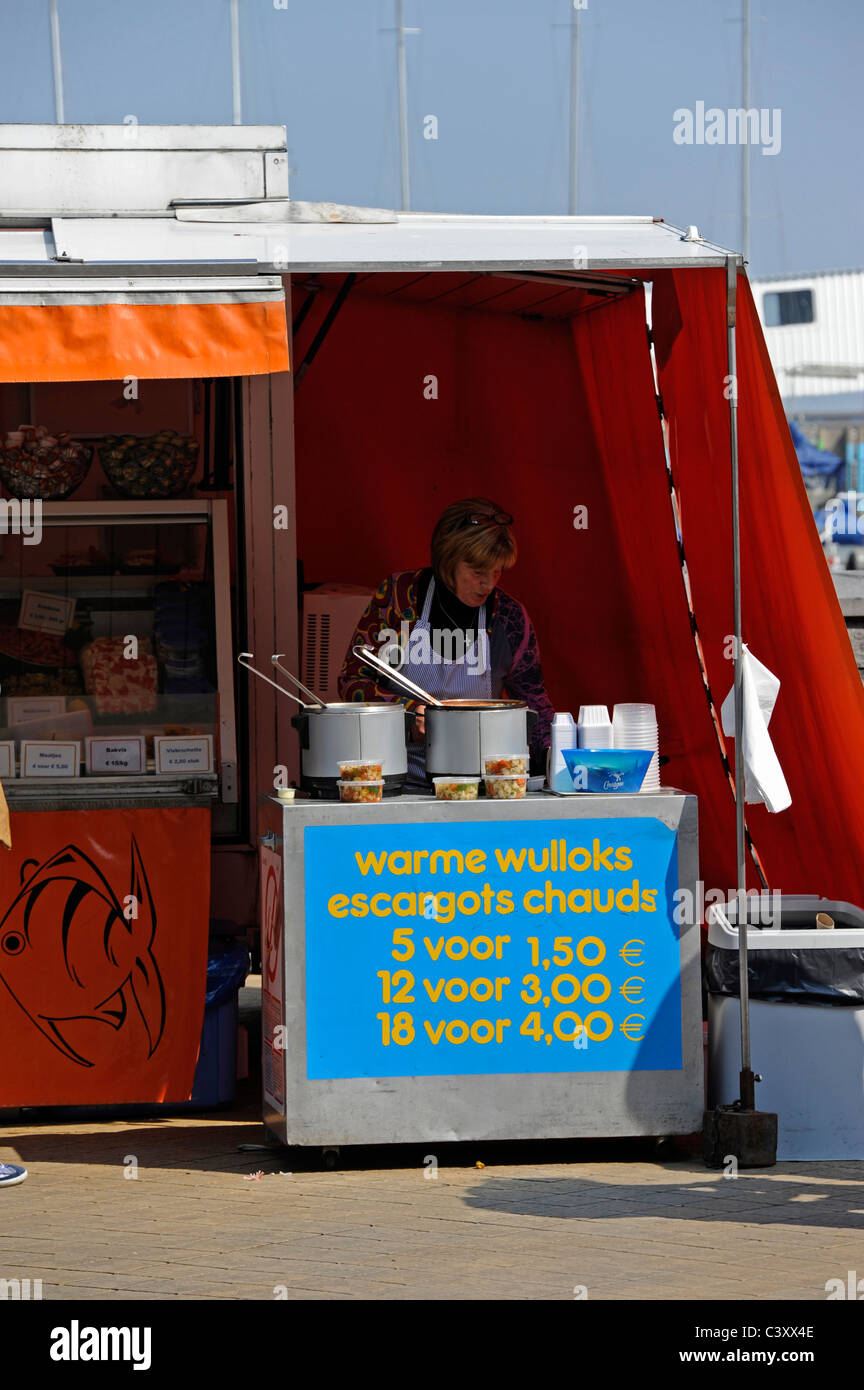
<point>315,699</point>
<point>395,675</point>
<point>261,676</point>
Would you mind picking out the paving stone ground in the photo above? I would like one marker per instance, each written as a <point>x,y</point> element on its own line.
<point>536,1222</point>
<point>192,1225</point>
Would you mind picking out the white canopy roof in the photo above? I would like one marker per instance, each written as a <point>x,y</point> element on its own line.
<point>136,200</point>
<point>282,236</point>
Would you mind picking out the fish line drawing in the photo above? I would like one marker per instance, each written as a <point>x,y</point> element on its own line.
<point>69,952</point>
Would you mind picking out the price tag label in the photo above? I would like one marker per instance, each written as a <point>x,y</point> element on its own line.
<point>46,612</point>
<point>193,754</point>
<point>50,758</point>
<point>114,756</point>
<point>20,708</point>
<point>7,758</point>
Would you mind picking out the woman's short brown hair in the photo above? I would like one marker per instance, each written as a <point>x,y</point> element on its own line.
<point>485,546</point>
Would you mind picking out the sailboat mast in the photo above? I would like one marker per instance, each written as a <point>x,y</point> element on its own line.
<point>236,97</point>
<point>573,204</point>
<point>57,65</point>
<point>403,105</point>
<point>745,148</point>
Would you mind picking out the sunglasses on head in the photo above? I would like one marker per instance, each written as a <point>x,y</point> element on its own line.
<point>488,519</point>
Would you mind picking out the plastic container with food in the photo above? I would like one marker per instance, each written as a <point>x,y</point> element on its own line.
<point>509,787</point>
<point>361,791</point>
<point>361,770</point>
<point>506,764</point>
<point>456,788</point>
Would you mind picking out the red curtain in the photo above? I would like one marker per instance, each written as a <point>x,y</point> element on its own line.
<point>410,405</point>
<point>434,404</point>
<point>791,618</point>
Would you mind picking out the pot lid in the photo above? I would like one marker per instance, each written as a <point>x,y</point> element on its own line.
<point>478,704</point>
<point>357,707</point>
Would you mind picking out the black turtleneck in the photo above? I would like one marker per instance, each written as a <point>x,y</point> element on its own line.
<point>448,614</point>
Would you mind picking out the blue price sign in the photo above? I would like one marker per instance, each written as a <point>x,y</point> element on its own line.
<point>490,948</point>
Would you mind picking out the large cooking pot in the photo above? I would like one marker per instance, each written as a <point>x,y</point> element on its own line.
<point>340,732</point>
<point>461,733</point>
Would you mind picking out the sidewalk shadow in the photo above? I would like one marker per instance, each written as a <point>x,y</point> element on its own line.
<point>152,1144</point>
<point>753,1199</point>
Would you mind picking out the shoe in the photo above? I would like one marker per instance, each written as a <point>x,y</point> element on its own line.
<point>10,1173</point>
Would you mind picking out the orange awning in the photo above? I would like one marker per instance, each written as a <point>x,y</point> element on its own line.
<point>111,341</point>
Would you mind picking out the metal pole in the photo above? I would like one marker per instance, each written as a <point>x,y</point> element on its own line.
<point>235,63</point>
<point>574,111</point>
<point>57,65</point>
<point>403,105</point>
<point>745,148</point>
<point>747,1093</point>
<point>852,479</point>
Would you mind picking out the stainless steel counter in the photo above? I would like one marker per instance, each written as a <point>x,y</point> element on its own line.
<point>422,982</point>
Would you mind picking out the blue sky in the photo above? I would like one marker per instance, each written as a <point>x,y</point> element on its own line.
<point>495,74</point>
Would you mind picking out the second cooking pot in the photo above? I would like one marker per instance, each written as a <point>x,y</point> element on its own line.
<point>346,732</point>
<point>461,733</point>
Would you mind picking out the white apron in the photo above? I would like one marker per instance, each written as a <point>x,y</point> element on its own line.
<point>446,680</point>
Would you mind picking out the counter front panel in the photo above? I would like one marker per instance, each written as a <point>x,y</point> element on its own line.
<point>482,969</point>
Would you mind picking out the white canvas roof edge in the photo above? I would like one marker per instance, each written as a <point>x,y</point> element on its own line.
<point>132,135</point>
<point>143,246</point>
<point>134,198</point>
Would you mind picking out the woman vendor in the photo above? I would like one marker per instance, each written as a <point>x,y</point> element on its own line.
<point>451,630</point>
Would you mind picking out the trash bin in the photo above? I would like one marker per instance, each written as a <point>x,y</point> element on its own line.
<point>215,1080</point>
<point>806,1024</point>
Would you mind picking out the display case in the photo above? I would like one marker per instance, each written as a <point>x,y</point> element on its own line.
<point>116,670</point>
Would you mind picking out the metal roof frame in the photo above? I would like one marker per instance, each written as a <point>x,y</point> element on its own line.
<point>175,244</point>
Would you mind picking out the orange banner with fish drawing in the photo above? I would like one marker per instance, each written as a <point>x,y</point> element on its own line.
<point>103,955</point>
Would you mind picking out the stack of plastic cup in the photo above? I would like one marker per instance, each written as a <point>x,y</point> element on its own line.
<point>635,726</point>
<point>595,727</point>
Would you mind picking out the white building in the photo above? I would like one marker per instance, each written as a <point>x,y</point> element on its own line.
<point>814,328</point>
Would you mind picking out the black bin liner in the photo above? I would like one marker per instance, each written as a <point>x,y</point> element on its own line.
<point>816,976</point>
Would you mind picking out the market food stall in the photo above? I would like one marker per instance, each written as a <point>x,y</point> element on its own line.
<point>591,395</point>
<point>578,369</point>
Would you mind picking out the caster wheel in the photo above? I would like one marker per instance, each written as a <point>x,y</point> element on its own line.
<point>330,1158</point>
